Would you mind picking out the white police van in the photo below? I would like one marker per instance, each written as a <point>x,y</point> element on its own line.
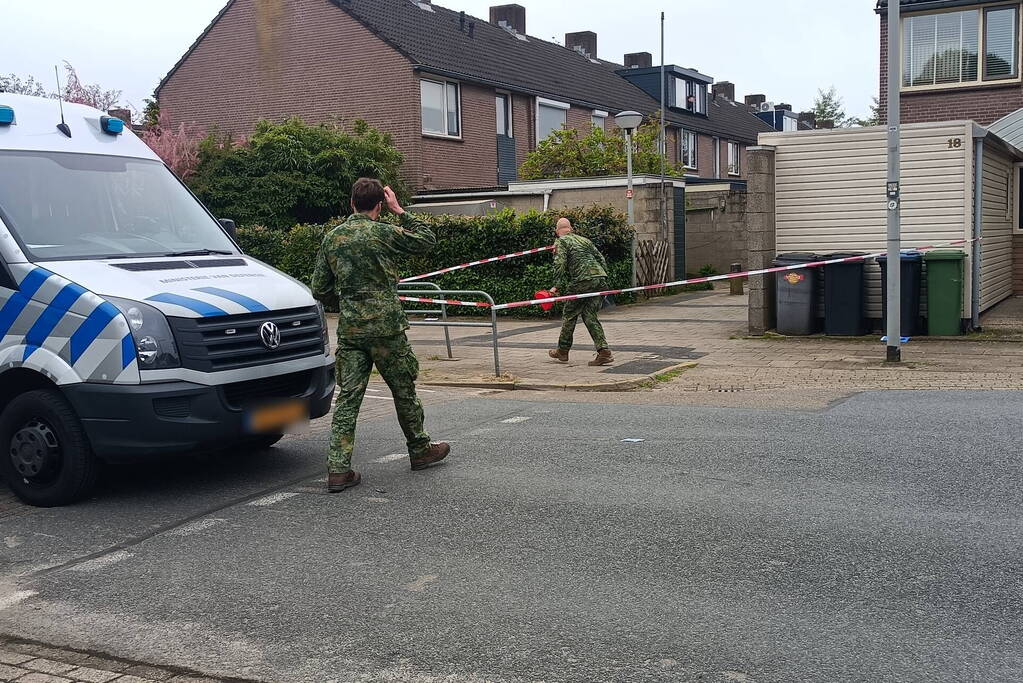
<point>131,324</point>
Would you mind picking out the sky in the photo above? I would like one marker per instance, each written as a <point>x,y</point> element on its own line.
<point>785,49</point>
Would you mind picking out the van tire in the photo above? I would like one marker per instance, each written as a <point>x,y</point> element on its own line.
<point>53,444</point>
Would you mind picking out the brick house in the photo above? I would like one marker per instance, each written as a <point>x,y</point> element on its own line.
<point>961,61</point>
<point>465,99</point>
<point>943,75</point>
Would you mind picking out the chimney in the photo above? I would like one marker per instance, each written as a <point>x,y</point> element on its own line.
<point>754,101</point>
<point>582,41</point>
<point>808,118</point>
<point>786,107</point>
<point>724,89</point>
<point>123,114</point>
<point>513,15</point>
<point>639,60</point>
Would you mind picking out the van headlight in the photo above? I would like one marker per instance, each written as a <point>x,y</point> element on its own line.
<point>154,342</point>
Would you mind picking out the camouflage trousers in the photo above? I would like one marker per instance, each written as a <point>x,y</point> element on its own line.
<point>397,364</point>
<point>587,309</point>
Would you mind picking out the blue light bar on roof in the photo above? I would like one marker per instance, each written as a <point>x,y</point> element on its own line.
<point>111,125</point>
<point>6,115</point>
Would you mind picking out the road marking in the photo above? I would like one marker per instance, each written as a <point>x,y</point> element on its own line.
<point>371,389</point>
<point>633,440</point>
<point>515,420</point>
<point>14,598</point>
<point>393,457</point>
<point>273,498</point>
<point>381,398</point>
<point>426,391</point>
<point>101,562</point>
<point>196,526</point>
<point>374,499</point>
<point>420,584</point>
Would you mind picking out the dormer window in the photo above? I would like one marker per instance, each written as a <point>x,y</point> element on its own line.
<point>690,95</point>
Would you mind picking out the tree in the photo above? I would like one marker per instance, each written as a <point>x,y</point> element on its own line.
<point>567,153</point>
<point>178,147</point>
<point>19,86</point>
<point>151,111</point>
<point>875,118</point>
<point>828,107</point>
<point>292,172</point>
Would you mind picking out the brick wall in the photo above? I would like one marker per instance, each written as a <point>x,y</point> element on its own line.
<point>314,61</point>
<point>471,161</point>
<point>984,104</point>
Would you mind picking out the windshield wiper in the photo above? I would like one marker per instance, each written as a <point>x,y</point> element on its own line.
<point>201,252</point>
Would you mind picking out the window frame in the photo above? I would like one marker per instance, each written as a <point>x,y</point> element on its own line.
<point>550,104</point>
<point>1016,218</point>
<point>694,150</point>
<point>444,83</point>
<point>509,111</point>
<point>738,159</point>
<point>982,11</point>
<point>599,114</point>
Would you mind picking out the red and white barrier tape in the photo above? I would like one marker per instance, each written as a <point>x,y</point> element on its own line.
<point>494,259</point>
<point>449,302</point>
<point>728,276</point>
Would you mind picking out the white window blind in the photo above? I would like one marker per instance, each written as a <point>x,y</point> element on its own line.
<point>549,119</point>
<point>941,48</point>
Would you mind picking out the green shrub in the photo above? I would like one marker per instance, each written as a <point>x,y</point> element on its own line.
<point>292,172</point>
<point>469,238</point>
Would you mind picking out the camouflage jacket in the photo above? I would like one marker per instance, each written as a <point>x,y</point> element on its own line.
<point>357,271</point>
<point>576,260</point>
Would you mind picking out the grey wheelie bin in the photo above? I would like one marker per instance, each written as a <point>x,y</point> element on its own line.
<point>796,294</point>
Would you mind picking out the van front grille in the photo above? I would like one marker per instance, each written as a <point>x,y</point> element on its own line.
<point>230,342</point>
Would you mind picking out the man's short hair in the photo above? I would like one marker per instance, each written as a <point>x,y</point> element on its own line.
<point>367,193</point>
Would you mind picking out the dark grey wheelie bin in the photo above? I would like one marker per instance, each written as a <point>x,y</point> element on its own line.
<point>796,294</point>
<point>843,297</point>
<point>909,289</point>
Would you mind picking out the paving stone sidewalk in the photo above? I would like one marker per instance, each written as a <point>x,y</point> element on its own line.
<point>27,662</point>
<point>708,329</point>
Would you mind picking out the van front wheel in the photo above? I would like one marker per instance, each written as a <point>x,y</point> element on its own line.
<point>45,456</point>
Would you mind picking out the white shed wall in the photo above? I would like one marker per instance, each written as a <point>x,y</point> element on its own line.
<point>996,245</point>
<point>830,191</point>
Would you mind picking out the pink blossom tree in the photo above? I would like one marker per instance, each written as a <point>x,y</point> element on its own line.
<point>92,95</point>
<point>177,146</point>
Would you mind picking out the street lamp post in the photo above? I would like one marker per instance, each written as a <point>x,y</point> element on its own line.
<point>629,121</point>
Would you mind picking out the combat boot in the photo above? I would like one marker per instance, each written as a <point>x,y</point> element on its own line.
<point>559,355</point>
<point>339,482</point>
<point>604,357</point>
<point>436,453</point>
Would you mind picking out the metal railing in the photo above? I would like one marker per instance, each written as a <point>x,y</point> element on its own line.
<point>427,290</point>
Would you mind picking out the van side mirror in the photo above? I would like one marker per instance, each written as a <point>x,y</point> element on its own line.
<point>229,226</point>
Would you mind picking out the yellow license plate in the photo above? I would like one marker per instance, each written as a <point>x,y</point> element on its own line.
<point>278,417</point>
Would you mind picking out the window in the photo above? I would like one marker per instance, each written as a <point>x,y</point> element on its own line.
<point>1000,39</point>
<point>440,106</point>
<point>688,152</point>
<point>550,116</point>
<point>504,115</point>
<point>945,48</point>
<point>691,96</point>
<point>733,158</point>
<point>789,123</point>
<point>598,119</point>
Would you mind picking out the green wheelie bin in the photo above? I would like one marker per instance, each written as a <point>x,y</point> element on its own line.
<point>944,292</point>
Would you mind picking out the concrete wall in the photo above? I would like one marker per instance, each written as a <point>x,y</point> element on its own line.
<point>715,227</point>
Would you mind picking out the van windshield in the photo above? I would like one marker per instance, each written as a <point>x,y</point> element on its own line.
<point>82,206</point>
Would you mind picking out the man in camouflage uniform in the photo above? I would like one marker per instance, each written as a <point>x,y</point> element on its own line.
<point>357,271</point>
<point>578,269</point>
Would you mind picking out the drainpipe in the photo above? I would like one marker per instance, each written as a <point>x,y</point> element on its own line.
<point>547,199</point>
<point>978,224</point>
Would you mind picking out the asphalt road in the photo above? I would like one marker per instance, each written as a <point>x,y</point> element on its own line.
<point>879,539</point>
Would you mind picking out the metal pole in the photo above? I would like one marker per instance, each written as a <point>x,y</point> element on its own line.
<point>629,195</point>
<point>893,193</point>
<point>664,142</point>
<point>978,226</point>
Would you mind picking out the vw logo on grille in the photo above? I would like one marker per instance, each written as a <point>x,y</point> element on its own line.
<point>270,334</point>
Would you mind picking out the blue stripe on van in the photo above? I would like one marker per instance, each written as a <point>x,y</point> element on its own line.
<point>201,307</point>
<point>251,305</point>
<point>19,300</point>
<point>53,314</point>
<point>90,330</point>
<point>127,351</point>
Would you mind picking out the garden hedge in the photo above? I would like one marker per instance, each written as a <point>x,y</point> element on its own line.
<point>469,238</point>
